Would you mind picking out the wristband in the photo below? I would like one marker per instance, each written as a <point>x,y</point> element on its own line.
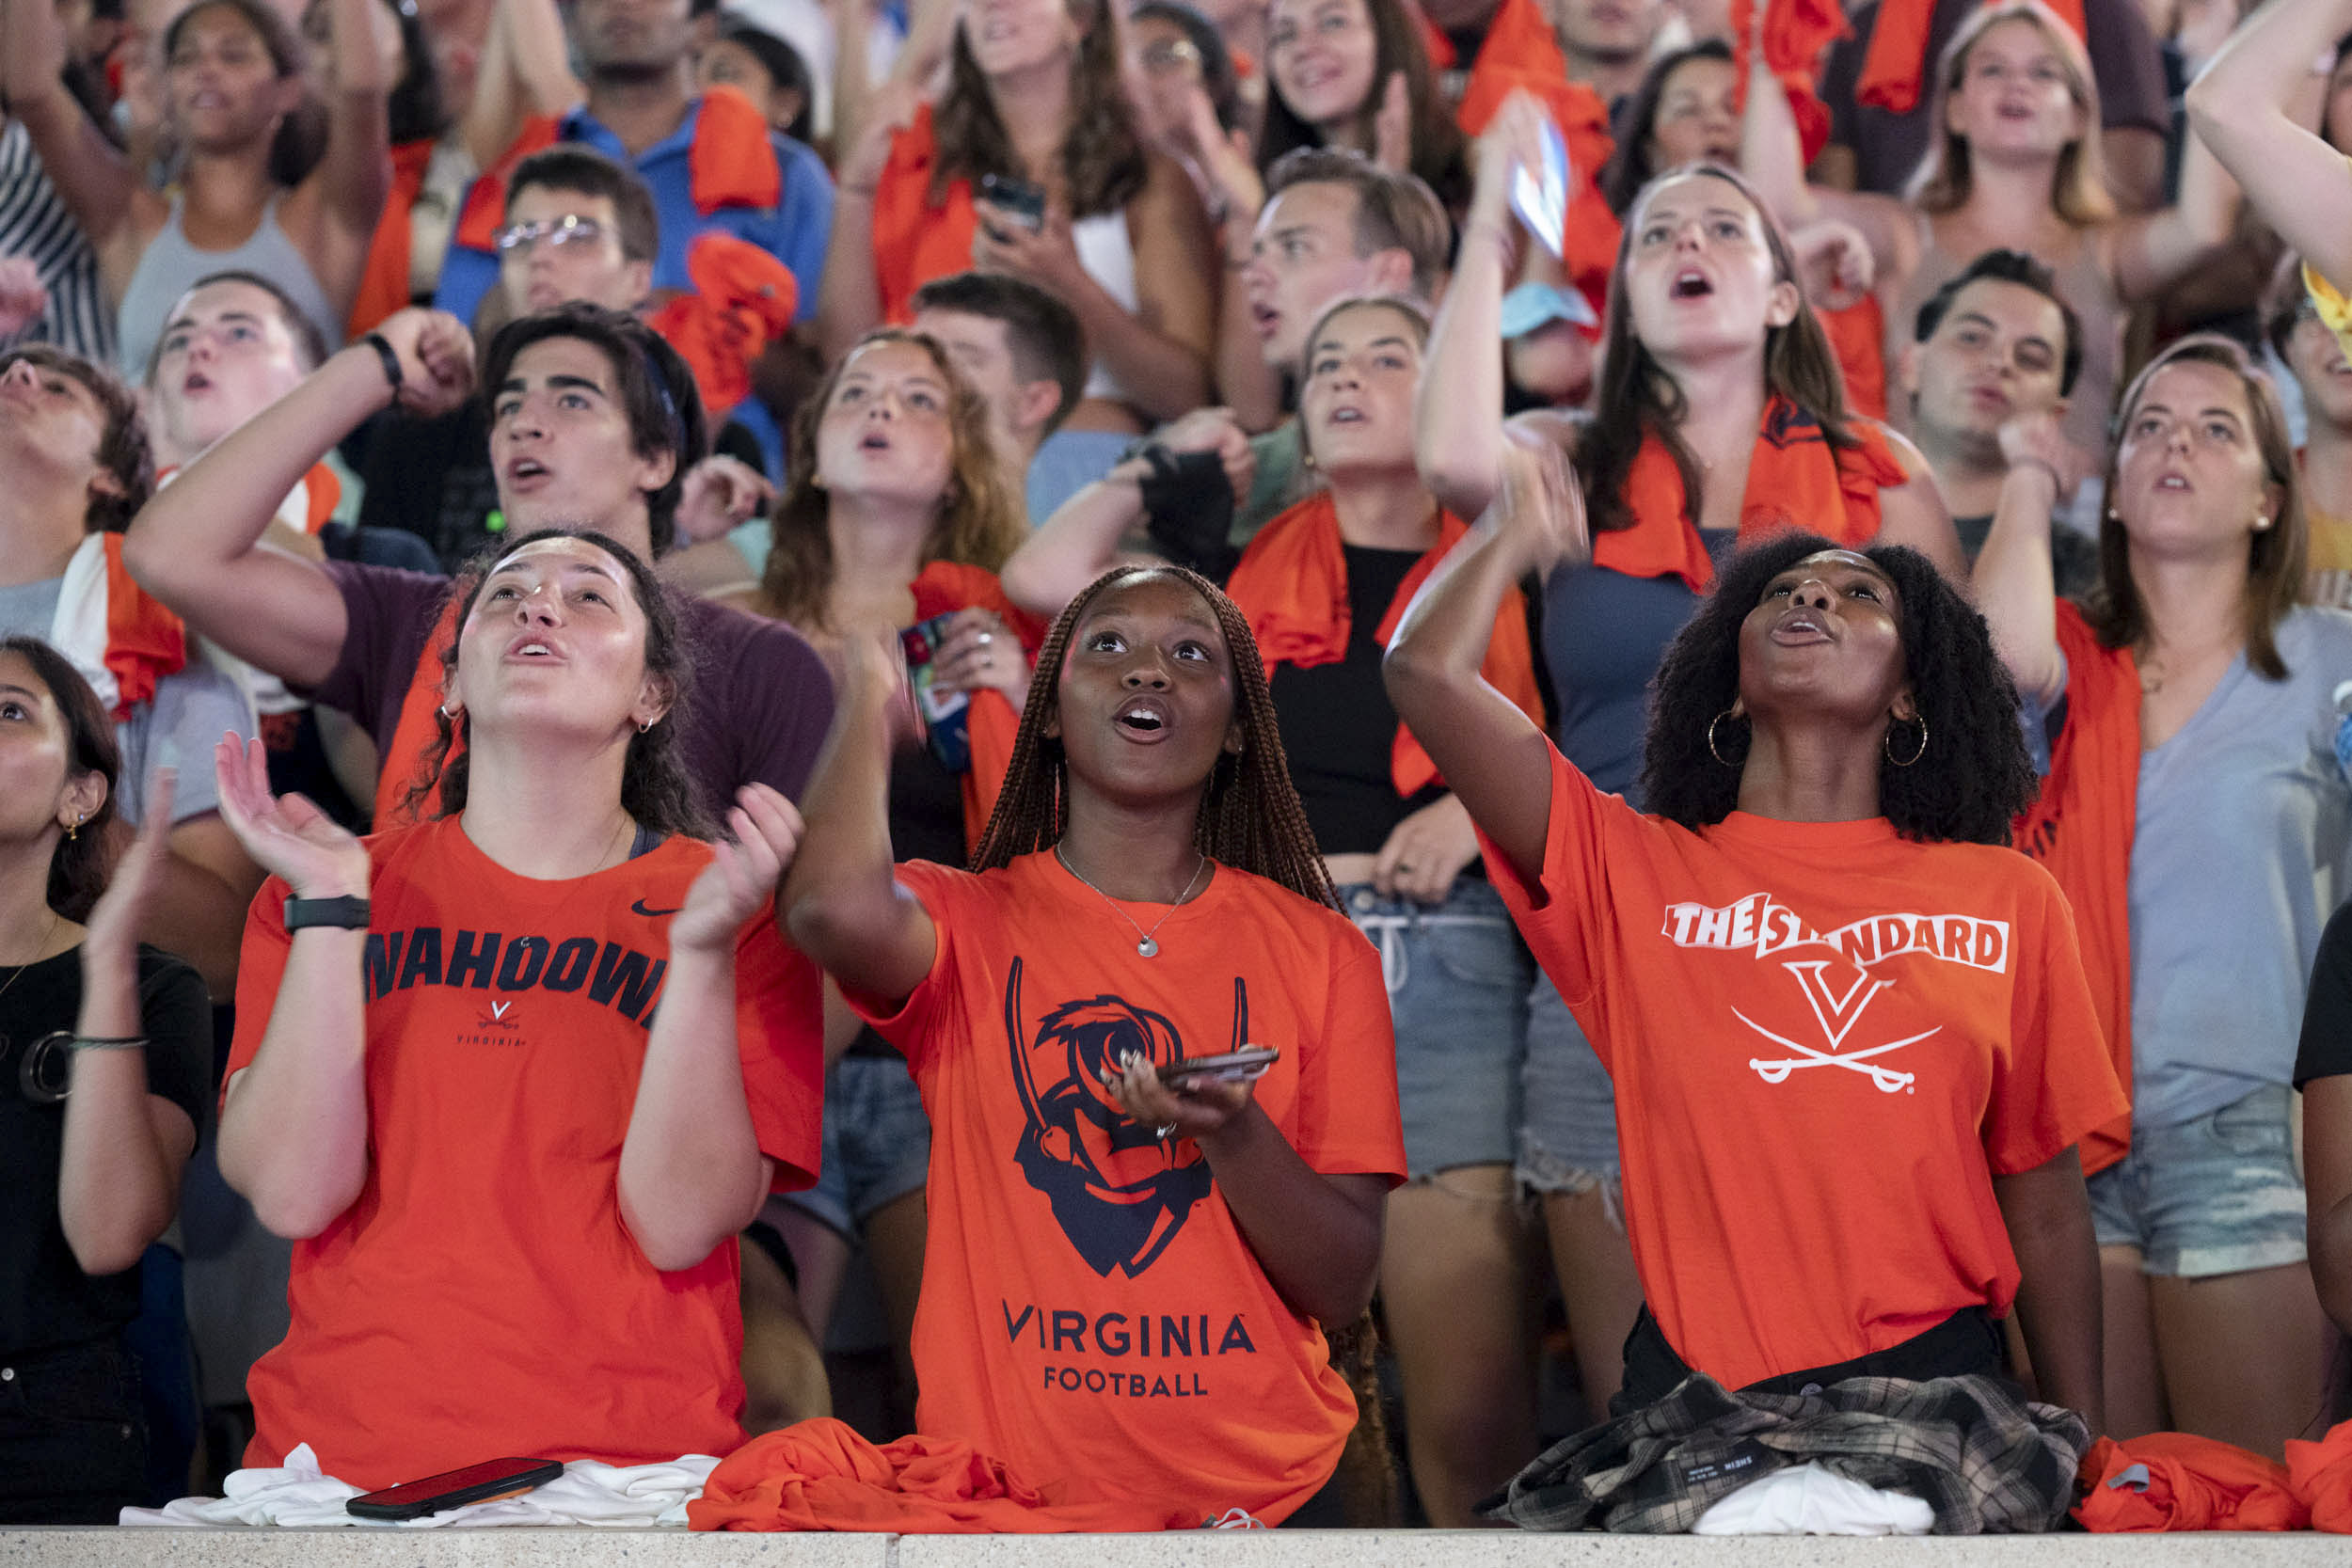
<point>393,376</point>
<point>350,914</point>
<point>106,1042</point>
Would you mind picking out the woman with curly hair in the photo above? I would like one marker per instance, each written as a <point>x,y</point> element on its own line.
<point>513,1077</point>
<point>893,519</point>
<point>2191,706</point>
<point>1851,1042</point>
<point>1029,162</point>
<point>1128,1288</point>
<point>1721,417</point>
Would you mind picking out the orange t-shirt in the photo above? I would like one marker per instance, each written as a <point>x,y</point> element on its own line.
<point>482,1296</point>
<point>1090,1313</point>
<point>1826,1041</point>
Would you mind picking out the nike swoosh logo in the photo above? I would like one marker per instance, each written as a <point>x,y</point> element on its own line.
<point>638,907</point>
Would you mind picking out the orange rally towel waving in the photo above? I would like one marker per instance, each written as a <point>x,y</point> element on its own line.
<point>916,238</point>
<point>1520,51</point>
<point>1795,33</point>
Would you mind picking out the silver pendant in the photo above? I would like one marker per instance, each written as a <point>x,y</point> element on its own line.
<point>1149,949</point>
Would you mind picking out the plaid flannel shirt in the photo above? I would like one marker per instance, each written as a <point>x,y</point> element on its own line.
<point>1972,1448</point>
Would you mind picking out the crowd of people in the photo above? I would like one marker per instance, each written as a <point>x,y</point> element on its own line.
<point>1123,687</point>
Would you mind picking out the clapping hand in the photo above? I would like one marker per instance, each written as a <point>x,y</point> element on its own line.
<point>763,832</point>
<point>286,836</point>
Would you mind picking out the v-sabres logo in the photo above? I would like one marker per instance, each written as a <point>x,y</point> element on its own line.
<point>1120,1191</point>
<point>1837,988</point>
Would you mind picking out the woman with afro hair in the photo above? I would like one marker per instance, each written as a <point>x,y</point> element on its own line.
<point>1848,1029</point>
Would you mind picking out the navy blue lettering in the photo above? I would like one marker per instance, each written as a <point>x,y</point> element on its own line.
<point>464,960</point>
<point>568,969</point>
<point>425,957</point>
<point>1014,1325</point>
<point>1111,1342</point>
<point>624,972</point>
<point>1070,1326</point>
<point>1176,1337</point>
<point>383,959</point>
<point>525,957</point>
<point>1236,1338</point>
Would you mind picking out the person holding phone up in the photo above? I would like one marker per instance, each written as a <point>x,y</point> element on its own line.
<point>1321,586</point>
<point>106,1056</point>
<point>513,1077</point>
<point>1035,100</point>
<point>1128,1282</point>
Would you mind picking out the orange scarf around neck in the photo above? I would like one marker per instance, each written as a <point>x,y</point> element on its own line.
<point>384,282</point>
<point>2081,829</point>
<point>1795,479</point>
<point>915,241</point>
<point>1895,68</point>
<point>730,162</point>
<point>1292,585</point>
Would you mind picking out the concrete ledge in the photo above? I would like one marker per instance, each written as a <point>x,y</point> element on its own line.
<point>628,1548</point>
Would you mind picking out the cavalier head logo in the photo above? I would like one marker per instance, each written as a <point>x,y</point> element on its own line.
<point>1120,1191</point>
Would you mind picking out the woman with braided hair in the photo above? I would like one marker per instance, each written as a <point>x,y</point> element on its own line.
<point>1127,1279</point>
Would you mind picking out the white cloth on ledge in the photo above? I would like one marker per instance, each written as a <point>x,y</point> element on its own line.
<point>587,1492</point>
<point>1805,1500</point>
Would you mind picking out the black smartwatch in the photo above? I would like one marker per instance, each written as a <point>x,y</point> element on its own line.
<point>349,913</point>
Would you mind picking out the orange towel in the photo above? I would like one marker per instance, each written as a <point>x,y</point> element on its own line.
<point>1896,66</point>
<point>1795,33</point>
<point>1794,481</point>
<point>916,239</point>
<point>1522,51</point>
<point>942,588</point>
<point>2170,1480</point>
<point>1857,335</point>
<point>820,1474</point>
<point>2321,1474</point>
<point>2080,829</point>
<point>731,163</point>
<point>742,301</point>
<point>1292,585</point>
<point>384,282</point>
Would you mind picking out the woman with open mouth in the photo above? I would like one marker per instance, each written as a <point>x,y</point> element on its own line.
<point>1851,1044</point>
<point>1321,586</point>
<point>2197,815</point>
<point>1146,895</point>
<point>1721,417</point>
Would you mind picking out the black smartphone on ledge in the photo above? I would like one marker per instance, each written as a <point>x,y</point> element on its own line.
<point>474,1484</point>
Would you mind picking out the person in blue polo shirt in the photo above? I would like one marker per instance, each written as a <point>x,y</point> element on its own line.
<point>711,160</point>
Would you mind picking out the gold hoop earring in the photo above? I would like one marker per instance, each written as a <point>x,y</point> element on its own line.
<point>1711,748</point>
<point>1886,744</point>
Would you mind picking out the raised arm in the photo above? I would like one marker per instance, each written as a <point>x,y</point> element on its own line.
<point>2047,1214</point>
<point>93,178</point>
<point>692,1173</point>
<point>842,903</point>
<point>526,69</point>
<point>2013,582</point>
<point>1496,760</point>
<point>1457,407</point>
<point>2154,250</point>
<point>848,297</point>
<point>196,546</point>
<point>124,1146</point>
<point>1772,155</point>
<point>1083,538</point>
<point>355,174</point>
<point>2238,109</point>
<point>293,1130</point>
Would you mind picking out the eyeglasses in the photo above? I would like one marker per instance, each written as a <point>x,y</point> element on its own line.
<point>568,230</point>
<point>1163,55</point>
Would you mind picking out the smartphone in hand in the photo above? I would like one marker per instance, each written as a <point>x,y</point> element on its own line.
<point>1244,1065</point>
<point>1023,199</point>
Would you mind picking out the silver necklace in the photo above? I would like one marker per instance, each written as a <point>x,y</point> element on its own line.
<point>1145,946</point>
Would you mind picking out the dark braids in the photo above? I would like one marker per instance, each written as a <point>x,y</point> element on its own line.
<point>1250,817</point>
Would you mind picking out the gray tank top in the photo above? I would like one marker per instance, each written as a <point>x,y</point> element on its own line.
<point>2082,282</point>
<point>170,266</point>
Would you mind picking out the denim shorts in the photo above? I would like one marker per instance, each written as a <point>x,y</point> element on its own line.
<point>2218,1195</point>
<point>1457,976</point>
<point>877,1142</point>
<point>1569,1139</point>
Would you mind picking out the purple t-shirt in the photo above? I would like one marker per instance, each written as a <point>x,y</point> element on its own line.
<point>758,707</point>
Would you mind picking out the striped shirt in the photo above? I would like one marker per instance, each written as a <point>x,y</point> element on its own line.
<point>35,224</point>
